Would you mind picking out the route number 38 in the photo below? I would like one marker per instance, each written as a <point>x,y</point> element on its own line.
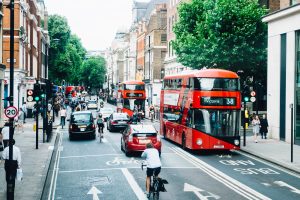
<point>11,112</point>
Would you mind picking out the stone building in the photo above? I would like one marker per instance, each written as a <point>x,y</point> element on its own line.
<point>155,52</point>
<point>284,70</point>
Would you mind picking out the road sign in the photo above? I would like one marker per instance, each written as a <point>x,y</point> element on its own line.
<point>252,99</point>
<point>29,92</point>
<point>253,93</point>
<point>11,112</point>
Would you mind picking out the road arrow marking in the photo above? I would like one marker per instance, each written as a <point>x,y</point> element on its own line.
<point>94,191</point>
<point>191,188</point>
<point>284,184</point>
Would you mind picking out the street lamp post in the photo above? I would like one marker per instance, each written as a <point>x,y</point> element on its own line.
<point>10,164</point>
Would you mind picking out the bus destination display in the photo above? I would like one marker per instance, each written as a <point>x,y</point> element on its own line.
<point>218,101</point>
<point>134,95</point>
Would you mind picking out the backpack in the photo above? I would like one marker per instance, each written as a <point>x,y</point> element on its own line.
<point>100,121</point>
<point>161,184</point>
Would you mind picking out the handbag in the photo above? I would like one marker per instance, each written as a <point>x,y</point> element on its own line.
<point>19,174</point>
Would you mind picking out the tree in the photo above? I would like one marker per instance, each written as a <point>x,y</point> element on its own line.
<point>66,52</point>
<point>227,34</point>
<point>93,72</point>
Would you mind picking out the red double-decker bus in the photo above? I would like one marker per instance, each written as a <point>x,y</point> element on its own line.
<point>131,96</point>
<point>200,109</point>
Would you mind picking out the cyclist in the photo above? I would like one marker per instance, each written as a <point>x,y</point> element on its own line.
<point>100,123</point>
<point>153,164</point>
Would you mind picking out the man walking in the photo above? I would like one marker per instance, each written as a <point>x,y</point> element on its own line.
<point>11,166</point>
<point>5,134</point>
<point>24,108</point>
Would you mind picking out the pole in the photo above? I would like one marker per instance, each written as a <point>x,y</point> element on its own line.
<point>37,125</point>
<point>292,131</point>
<point>244,141</point>
<point>44,117</point>
<point>10,164</point>
<point>53,99</point>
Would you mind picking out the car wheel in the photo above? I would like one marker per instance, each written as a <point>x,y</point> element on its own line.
<point>159,153</point>
<point>94,136</point>
<point>70,137</point>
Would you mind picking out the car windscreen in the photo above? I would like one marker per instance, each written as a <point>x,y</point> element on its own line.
<point>144,134</point>
<point>121,117</point>
<point>81,118</point>
<point>92,102</point>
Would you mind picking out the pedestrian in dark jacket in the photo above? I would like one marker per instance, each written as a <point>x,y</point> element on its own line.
<point>264,127</point>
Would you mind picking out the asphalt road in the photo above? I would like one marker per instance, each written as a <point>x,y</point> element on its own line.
<point>87,169</point>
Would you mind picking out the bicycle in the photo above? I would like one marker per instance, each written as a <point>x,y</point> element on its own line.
<point>154,185</point>
<point>152,115</point>
<point>100,131</point>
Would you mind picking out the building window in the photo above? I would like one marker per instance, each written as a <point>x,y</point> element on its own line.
<point>169,49</point>
<point>293,2</point>
<point>170,25</point>
<point>163,37</point>
<point>282,89</point>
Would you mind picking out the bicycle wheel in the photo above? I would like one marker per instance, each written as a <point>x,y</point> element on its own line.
<point>155,190</point>
<point>156,195</point>
<point>100,135</point>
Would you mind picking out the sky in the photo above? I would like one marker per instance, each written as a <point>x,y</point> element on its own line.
<point>94,21</point>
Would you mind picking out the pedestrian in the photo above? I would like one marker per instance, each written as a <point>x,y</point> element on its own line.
<point>24,108</point>
<point>63,115</point>
<point>21,119</point>
<point>5,134</point>
<point>11,167</point>
<point>264,127</point>
<point>256,124</point>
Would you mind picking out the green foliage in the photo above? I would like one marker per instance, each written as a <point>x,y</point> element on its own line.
<point>66,52</point>
<point>93,72</point>
<point>227,34</point>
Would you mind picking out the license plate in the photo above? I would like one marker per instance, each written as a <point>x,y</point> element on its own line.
<point>144,141</point>
<point>82,129</point>
<point>219,146</point>
<point>122,122</point>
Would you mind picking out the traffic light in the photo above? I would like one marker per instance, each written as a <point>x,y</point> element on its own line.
<point>246,118</point>
<point>246,93</point>
<point>36,92</point>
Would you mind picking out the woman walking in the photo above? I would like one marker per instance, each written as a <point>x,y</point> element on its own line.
<point>256,124</point>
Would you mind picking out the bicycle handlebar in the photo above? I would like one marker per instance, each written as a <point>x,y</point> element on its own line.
<point>142,166</point>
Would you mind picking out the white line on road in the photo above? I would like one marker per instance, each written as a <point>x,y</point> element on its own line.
<point>118,168</point>
<point>269,164</point>
<point>55,170</point>
<point>233,184</point>
<point>133,184</point>
<point>99,155</point>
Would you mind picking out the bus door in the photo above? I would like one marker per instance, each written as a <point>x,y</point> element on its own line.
<point>202,126</point>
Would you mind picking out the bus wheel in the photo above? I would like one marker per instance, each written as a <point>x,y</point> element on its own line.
<point>183,143</point>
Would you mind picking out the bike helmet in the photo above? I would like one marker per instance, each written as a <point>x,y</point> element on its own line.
<point>100,115</point>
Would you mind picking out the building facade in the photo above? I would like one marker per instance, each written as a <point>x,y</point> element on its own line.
<point>283,70</point>
<point>31,44</point>
<point>155,52</point>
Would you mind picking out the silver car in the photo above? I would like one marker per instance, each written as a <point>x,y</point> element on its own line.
<point>106,112</point>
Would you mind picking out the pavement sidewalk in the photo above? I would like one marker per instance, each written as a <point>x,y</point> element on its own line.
<point>35,163</point>
<point>275,151</point>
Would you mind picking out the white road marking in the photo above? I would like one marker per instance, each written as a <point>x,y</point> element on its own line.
<point>83,156</point>
<point>50,148</point>
<point>266,184</point>
<point>104,140</point>
<point>229,182</point>
<point>284,184</point>
<point>118,168</point>
<point>133,184</point>
<point>55,170</point>
<point>94,191</point>
<point>196,191</point>
<point>269,164</point>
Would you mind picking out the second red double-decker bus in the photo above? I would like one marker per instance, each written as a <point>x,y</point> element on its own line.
<point>201,109</point>
<point>131,96</point>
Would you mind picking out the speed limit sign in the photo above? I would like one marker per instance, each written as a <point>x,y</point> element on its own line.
<point>11,112</point>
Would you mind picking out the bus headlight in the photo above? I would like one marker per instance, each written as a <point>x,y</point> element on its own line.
<point>199,141</point>
<point>236,142</point>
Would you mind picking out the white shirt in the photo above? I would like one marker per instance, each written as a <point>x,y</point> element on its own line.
<point>63,113</point>
<point>152,158</point>
<point>5,133</point>
<point>16,154</point>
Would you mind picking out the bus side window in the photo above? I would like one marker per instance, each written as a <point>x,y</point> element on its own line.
<point>189,119</point>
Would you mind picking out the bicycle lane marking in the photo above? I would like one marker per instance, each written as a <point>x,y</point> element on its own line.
<point>133,184</point>
<point>229,182</point>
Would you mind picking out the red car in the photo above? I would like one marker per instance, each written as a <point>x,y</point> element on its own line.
<point>136,136</point>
